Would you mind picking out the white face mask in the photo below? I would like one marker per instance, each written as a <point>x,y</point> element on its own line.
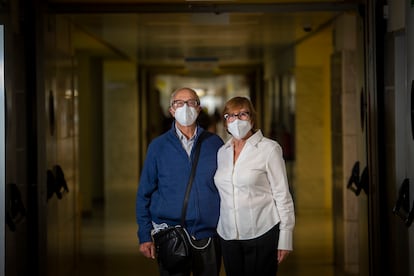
<point>186,115</point>
<point>239,128</point>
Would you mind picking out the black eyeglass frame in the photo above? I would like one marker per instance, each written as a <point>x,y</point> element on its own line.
<point>232,117</point>
<point>190,103</point>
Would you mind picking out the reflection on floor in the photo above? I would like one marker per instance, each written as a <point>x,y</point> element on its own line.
<point>109,245</point>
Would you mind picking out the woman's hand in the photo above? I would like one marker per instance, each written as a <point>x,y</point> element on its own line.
<point>282,255</point>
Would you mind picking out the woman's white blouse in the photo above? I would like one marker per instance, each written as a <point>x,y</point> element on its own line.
<point>254,191</point>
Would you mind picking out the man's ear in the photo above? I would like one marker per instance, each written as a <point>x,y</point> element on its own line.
<point>171,110</point>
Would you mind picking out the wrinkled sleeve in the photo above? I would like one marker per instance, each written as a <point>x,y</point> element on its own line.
<point>147,185</point>
<point>276,171</point>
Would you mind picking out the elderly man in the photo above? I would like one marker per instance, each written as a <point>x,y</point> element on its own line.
<point>163,182</point>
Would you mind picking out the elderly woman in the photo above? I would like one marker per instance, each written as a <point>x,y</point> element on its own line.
<point>256,210</point>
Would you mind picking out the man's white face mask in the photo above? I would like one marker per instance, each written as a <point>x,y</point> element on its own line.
<point>239,128</point>
<point>186,115</point>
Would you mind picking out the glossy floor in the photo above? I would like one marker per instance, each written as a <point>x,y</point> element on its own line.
<point>109,245</point>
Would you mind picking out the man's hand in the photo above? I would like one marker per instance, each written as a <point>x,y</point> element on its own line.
<point>282,255</point>
<point>147,249</point>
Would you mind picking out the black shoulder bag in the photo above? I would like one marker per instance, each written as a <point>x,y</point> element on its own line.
<point>172,244</point>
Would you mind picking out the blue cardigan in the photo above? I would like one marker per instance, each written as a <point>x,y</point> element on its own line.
<point>163,181</point>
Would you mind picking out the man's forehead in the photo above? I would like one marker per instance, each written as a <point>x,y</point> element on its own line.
<point>185,93</point>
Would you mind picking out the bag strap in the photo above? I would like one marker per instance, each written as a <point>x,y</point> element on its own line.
<point>192,174</point>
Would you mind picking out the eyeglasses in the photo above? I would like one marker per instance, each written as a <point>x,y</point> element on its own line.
<point>180,103</point>
<point>242,115</point>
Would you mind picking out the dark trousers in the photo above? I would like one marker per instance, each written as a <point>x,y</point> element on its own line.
<point>251,257</point>
<point>206,262</point>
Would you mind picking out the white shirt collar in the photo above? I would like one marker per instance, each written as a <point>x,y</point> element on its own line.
<point>253,140</point>
<point>182,137</point>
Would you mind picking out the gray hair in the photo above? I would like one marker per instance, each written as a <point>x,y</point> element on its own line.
<point>181,89</point>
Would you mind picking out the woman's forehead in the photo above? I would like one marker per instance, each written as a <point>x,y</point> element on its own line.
<point>238,107</point>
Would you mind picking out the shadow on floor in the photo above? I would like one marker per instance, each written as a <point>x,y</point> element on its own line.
<point>109,246</point>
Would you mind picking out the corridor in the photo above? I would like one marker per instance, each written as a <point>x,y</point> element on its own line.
<point>82,83</point>
<point>109,245</point>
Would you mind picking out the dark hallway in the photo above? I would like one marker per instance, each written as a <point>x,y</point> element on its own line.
<point>84,84</point>
<point>109,245</point>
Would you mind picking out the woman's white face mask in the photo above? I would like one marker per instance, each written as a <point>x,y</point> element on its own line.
<point>239,128</point>
<point>186,115</point>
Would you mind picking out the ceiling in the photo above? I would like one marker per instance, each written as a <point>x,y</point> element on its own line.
<point>195,33</point>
